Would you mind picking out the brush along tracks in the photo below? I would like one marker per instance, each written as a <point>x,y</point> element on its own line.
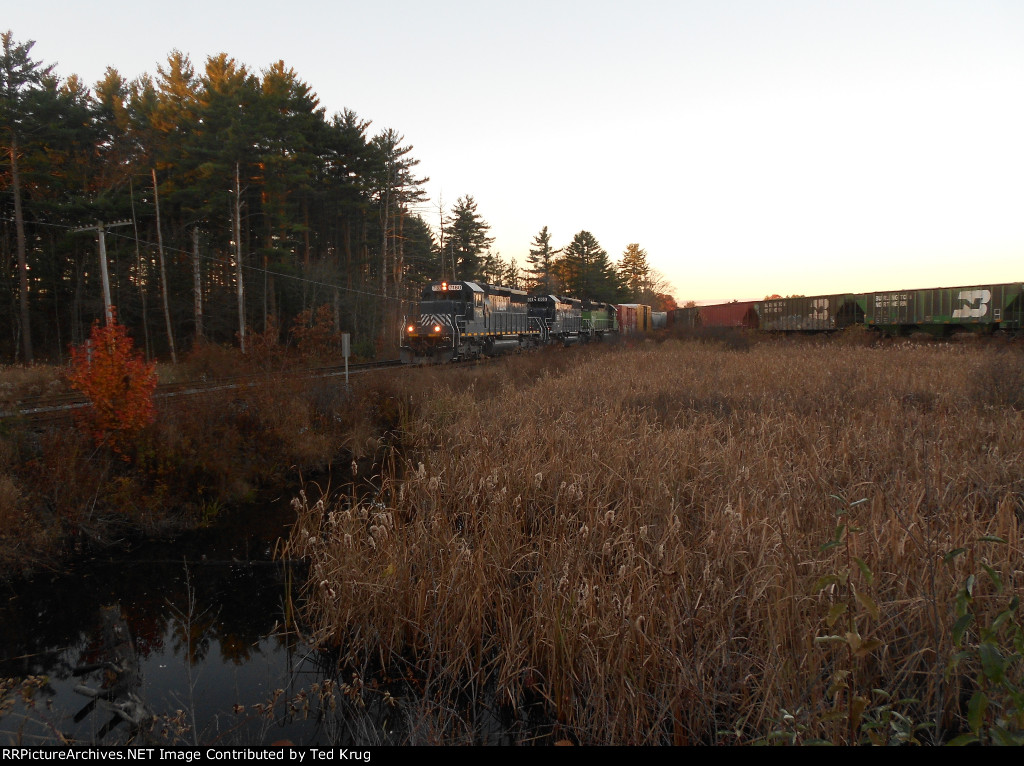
<point>52,409</point>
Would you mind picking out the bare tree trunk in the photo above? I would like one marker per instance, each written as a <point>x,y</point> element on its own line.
<point>399,274</point>
<point>238,258</point>
<point>384,246</point>
<point>305,235</point>
<point>197,284</point>
<point>163,270</point>
<point>19,225</point>
<point>337,310</point>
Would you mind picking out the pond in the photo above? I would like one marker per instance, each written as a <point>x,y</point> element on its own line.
<point>206,614</point>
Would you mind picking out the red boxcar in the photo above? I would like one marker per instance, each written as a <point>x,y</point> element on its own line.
<point>634,317</point>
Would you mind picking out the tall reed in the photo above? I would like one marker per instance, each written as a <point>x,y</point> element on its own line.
<point>635,541</point>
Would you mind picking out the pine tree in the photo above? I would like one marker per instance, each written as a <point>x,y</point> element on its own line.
<point>542,262</point>
<point>633,271</point>
<point>19,76</point>
<point>585,271</point>
<point>467,237</point>
<point>511,276</point>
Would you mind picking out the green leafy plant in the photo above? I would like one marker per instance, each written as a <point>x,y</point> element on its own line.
<point>867,716</point>
<point>991,652</point>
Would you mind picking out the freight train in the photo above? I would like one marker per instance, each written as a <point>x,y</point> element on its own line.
<point>985,308</point>
<point>468,320</point>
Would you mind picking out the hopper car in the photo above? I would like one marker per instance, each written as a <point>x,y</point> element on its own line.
<point>983,308</point>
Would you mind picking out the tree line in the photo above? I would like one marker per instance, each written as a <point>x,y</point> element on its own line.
<point>229,203</point>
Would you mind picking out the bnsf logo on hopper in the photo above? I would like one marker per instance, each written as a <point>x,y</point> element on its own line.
<point>974,304</point>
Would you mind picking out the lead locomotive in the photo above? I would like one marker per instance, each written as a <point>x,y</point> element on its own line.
<point>467,320</point>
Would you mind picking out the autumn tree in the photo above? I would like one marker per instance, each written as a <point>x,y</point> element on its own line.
<point>118,384</point>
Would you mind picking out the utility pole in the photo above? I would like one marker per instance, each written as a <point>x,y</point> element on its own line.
<point>163,270</point>
<point>104,275</point>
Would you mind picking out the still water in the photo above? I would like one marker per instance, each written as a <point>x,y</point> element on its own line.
<point>205,612</point>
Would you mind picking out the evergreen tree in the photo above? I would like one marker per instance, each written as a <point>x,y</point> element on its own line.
<point>19,76</point>
<point>244,166</point>
<point>512,275</point>
<point>291,121</point>
<point>633,272</point>
<point>112,120</point>
<point>396,188</point>
<point>422,258</point>
<point>585,271</point>
<point>542,262</point>
<point>467,237</point>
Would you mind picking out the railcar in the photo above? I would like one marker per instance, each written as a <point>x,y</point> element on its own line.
<point>736,314</point>
<point>982,308</point>
<point>634,318</point>
<point>942,309</point>
<point>810,314</point>
<point>688,317</point>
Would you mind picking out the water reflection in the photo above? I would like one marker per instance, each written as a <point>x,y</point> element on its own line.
<point>205,613</point>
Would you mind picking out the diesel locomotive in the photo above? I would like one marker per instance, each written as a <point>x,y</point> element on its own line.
<point>468,320</point>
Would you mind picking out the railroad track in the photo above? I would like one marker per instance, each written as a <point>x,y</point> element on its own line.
<point>40,410</point>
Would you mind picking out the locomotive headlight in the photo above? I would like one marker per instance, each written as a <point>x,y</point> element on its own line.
<point>410,328</point>
<point>437,328</point>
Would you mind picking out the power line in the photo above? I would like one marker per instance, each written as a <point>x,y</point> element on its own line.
<point>226,262</point>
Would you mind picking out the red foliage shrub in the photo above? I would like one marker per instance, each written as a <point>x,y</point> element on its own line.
<point>118,384</point>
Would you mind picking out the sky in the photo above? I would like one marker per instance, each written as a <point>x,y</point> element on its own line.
<point>750,147</point>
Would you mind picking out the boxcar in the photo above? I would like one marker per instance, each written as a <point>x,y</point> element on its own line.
<point>634,317</point>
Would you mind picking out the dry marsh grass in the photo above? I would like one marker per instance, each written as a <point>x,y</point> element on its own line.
<point>634,541</point>
<point>60,494</point>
